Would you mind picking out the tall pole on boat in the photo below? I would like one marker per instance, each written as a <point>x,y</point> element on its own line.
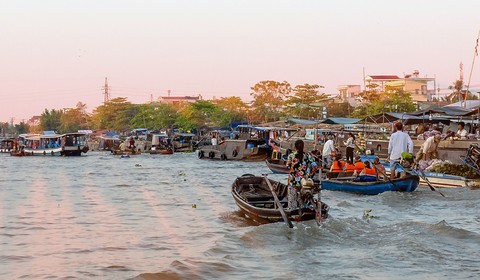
<point>475,54</point>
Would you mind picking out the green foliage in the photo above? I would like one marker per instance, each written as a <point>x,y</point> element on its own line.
<point>455,169</point>
<point>268,100</point>
<point>51,120</point>
<point>198,114</point>
<point>74,119</point>
<point>304,103</point>
<point>154,116</point>
<point>115,114</point>
<point>339,109</point>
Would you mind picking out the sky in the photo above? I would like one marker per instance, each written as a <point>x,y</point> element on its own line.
<point>56,53</point>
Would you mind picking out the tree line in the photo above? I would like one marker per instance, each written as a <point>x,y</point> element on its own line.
<point>272,101</point>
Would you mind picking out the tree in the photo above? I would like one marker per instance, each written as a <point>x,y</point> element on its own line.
<point>155,116</point>
<point>114,114</point>
<point>371,93</point>
<point>198,114</point>
<point>232,109</point>
<point>51,120</point>
<point>74,119</point>
<point>304,101</point>
<point>268,100</point>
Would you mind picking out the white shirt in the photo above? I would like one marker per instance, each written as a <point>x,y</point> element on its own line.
<point>399,142</point>
<point>328,148</point>
<point>462,134</point>
<point>214,141</point>
<point>350,142</point>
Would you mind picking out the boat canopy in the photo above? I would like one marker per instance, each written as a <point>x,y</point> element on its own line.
<point>341,120</point>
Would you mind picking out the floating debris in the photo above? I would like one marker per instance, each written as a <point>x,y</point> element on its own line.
<point>181,173</point>
<point>194,205</point>
<point>367,215</point>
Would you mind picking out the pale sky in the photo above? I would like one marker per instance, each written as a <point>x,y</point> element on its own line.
<point>55,53</point>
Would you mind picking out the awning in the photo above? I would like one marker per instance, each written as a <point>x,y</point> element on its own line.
<point>341,120</point>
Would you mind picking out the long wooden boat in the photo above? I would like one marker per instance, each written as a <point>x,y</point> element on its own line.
<point>436,179</point>
<point>277,166</point>
<point>405,184</point>
<point>254,198</point>
<point>161,152</point>
<point>233,149</point>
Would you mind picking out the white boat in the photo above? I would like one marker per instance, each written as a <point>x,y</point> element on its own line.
<point>68,144</point>
<point>43,145</point>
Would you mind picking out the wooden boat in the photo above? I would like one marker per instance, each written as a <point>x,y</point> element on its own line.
<point>277,166</point>
<point>74,144</point>
<point>405,184</point>
<point>254,198</point>
<point>233,149</point>
<point>161,152</point>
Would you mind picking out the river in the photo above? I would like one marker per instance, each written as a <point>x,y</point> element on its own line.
<point>100,216</point>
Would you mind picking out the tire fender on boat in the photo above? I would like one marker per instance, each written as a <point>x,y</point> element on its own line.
<point>223,157</point>
<point>211,154</point>
<point>200,154</point>
<point>235,153</point>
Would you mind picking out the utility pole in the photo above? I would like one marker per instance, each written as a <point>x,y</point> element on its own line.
<point>106,91</point>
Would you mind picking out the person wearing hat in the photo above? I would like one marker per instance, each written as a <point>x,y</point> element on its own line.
<point>429,148</point>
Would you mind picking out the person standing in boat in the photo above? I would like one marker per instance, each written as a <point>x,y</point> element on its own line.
<point>328,149</point>
<point>399,142</point>
<point>302,166</point>
<point>350,146</point>
<point>214,141</point>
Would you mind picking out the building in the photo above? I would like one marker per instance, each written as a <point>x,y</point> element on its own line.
<point>349,93</point>
<point>175,100</point>
<point>421,89</point>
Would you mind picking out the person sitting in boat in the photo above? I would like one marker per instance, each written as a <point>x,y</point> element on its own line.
<point>461,132</point>
<point>349,167</point>
<point>359,165</point>
<point>429,148</point>
<point>381,172</point>
<point>302,166</point>
<point>368,169</point>
<point>337,165</point>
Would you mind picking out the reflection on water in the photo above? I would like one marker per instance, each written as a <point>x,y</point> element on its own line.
<point>172,217</point>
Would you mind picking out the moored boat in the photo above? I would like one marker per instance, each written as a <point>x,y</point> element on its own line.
<point>407,183</point>
<point>254,198</point>
<point>277,166</point>
<point>74,144</point>
<point>234,149</point>
<point>43,145</point>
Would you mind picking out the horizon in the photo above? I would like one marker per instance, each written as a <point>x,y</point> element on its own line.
<point>57,54</point>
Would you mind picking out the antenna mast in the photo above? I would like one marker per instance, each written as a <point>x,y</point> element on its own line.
<point>106,91</point>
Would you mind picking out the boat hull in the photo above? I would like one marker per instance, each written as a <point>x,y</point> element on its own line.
<point>277,166</point>
<point>252,196</point>
<point>406,184</point>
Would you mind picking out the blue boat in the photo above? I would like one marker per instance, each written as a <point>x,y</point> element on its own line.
<point>405,184</point>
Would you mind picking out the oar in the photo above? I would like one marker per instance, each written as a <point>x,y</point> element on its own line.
<point>424,177</point>
<point>385,175</point>
<point>277,201</point>
<point>318,215</point>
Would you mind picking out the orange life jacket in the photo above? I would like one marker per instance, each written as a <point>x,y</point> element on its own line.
<point>337,166</point>
<point>369,171</point>
<point>359,166</point>
<point>349,167</point>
